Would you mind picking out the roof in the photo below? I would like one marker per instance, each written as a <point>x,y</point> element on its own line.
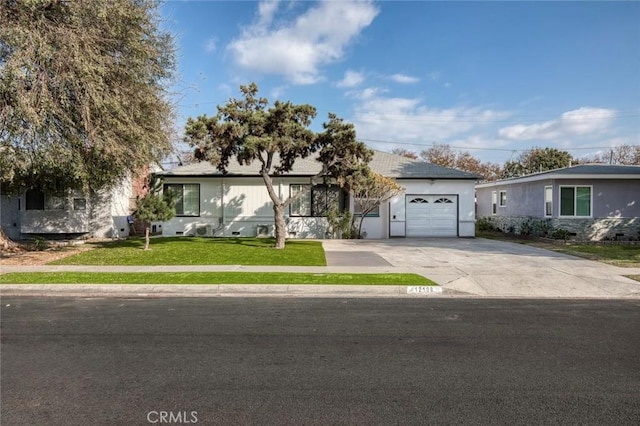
<point>582,171</point>
<point>390,165</point>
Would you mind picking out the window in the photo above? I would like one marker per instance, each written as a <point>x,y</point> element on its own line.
<point>357,208</point>
<point>503,198</point>
<point>302,205</point>
<point>186,198</point>
<point>79,201</point>
<point>494,202</point>
<point>315,201</point>
<point>39,200</point>
<point>548,201</point>
<point>443,201</point>
<point>34,199</point>
<point>575,201</point>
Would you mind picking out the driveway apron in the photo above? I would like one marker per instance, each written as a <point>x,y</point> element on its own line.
<point>491,268</point>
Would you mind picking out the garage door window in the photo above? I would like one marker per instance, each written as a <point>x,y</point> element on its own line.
<point>418,201</point>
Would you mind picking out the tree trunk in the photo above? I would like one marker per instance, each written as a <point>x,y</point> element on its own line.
<point>146,238</point>
<point>281,227</point>
<point>5,242</point>
<point>359,236</point>
<point>278,211</point>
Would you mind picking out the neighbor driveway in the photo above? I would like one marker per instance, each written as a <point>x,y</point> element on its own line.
<point>488,268</point>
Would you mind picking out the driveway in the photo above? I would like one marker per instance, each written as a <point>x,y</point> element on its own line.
<point>489,268</point>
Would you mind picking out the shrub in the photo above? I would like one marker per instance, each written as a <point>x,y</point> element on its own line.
<point>40,244</point>
<point>560,234</point>
<point>484,224</point>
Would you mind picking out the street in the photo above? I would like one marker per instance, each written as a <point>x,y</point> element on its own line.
<point>76,361</point>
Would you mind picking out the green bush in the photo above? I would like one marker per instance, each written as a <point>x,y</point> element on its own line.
<point>40,244</point>
<point>535,227</point>
<point>484,224</point>
<point>560,234</point>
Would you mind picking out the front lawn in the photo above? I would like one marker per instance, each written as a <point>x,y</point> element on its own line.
<point>211,278</point>
<point>201,251</point>
<point>625,255</point>
<point>613,254</point>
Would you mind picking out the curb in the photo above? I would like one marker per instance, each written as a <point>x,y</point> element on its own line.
<point>217,290</point>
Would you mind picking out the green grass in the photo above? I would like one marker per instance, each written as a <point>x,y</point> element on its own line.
<point>201,251</point>
<point>625,255</point>
<point>210,278</point>
<point>619,255</point>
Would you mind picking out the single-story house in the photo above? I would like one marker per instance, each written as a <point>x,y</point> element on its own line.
<point>69,214</point>
<point>437,201</point>
<point>591,201</point>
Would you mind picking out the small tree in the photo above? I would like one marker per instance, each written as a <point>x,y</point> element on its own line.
<point>369,190</point>
<point>154,206</point>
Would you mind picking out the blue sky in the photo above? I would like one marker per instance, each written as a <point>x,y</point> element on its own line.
<point>494,78</point>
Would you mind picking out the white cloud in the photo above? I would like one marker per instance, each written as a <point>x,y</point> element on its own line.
<point>351,79</point>
<point>396,119</point>
<point>297,49</point>
<point>404,79</point>
<point>211,45</point>
<point>578,122</point>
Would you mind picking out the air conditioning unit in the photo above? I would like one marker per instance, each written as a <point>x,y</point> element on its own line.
<point>263,231</point>
<point>204,230</point>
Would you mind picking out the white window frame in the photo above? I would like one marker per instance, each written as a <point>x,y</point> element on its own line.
<point>494,202</point>
<point>548,201</point>
<point>575,201</point>
<point>188,190</point>
<point>501,198</point>
<point>303,202</point>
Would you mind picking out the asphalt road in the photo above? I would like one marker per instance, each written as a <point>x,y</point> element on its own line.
<point>319,361</point>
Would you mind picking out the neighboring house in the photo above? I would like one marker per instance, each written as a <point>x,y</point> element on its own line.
<point>593,202</point>
<point>70,214</point>
<point>437,201</point>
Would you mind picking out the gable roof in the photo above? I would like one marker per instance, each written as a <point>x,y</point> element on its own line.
<point>390,165</point>
<point>582,171</point>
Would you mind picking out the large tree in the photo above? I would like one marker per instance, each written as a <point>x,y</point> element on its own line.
<point>83,98</point>
<point>537,160</point>
<point>247,130</point>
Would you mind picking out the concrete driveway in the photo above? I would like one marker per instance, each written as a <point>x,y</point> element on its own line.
<point>488,268</point>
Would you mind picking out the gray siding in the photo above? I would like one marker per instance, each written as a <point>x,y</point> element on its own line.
<point>611,198</point>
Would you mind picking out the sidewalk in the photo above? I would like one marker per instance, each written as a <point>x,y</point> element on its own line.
<point>453,282</point>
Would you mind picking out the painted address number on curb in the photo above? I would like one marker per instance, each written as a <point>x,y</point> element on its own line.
<point>423,289</point>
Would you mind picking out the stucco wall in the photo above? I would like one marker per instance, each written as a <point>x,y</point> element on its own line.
<point>617,198</point>
<point>247,204</point>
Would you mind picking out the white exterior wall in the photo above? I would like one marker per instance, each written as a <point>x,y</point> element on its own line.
<point>247,204</point>
<point>463,189</point>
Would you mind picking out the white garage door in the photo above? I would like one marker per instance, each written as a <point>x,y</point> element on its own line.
<point>432,215</point>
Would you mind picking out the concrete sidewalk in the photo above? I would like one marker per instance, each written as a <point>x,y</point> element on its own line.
<point>589,281</point>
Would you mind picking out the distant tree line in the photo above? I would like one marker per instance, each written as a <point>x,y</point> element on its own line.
<point>534,160</point>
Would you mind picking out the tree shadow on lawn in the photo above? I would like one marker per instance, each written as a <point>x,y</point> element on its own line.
<point>138,242</point>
